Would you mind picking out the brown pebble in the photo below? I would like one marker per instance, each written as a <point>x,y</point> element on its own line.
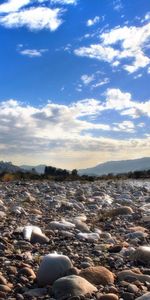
<point>132,288</point>
<point>98,275</point>
<point>4,288</point>
<point>115,249</point>
<point>12,270</point>
<point>28,272</point>
<point>2,295</point>
<point>109,297</point>
<point>3,280</point>
<point>113,290</point>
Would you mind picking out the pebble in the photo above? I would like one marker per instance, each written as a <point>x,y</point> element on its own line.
<point>142,254</point>
<point>98,275</point>
<point>72,285</point>
<point>109,297</point>
<point>5,288</point>
<point>52,267</point>
<point>42,217</point>
<point>144,297</point>
<point>28,272</point>
<point>3,280</point>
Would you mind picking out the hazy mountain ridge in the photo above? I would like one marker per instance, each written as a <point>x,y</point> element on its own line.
<point>116,167</point>
<point>39,168</point>
<point>9,167</point>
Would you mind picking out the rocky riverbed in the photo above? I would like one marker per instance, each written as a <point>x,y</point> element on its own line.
<point>75,240</point>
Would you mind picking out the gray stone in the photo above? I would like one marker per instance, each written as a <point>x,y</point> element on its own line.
<point>52,267</point>
<point>72,285</point>
<point>144,297</point>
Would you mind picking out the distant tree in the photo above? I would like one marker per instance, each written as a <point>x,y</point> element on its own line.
<point>74,173</point>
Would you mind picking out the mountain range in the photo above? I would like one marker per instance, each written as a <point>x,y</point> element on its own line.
<point>39,168</point>
<point>8,167</point>
<point>116,167</point>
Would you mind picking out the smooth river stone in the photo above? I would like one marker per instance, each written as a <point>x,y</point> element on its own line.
<point>63,225</point>
<point>52,267</point>
<point>71,286</point>
<point>144,297</point>
<point>98,275</point>
<point>27,231</point>
<point>142,254</point>
<point>91,237</point>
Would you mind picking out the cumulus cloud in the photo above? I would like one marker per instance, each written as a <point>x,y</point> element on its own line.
<point>32,52</point>
<point>120,101</point>
<point>117,47</point>
<point>92,22</point>
<point>64,132</point>
<point>99,52</point>
<point>35,18</point>
<point>13,5</point>
<point>19,13</point>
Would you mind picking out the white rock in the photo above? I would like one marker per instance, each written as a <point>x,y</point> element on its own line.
<point>63,225</point>
<point>18,210</point>
<point>2,214</point>
<point>142,254</point>
<point>27,231</point>
<point>52,267</point>
<point>91,237</point>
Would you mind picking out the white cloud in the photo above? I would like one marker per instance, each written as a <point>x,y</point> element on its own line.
<point>117,5</point>
<point>86,79</point>
<point>138,76</point>
<point>13,5</point>
<point>146,18</point>
<point>138,109</point>
<point>123,38</point>
<point>33,52</point>
<point>92,22</point>
<point>36,18</point>
<point>25,129</point>
<point>116,99</point>
<point>99,52</point>
<point>64,2</point>
<point>100,83</point>
<point>125,126</point>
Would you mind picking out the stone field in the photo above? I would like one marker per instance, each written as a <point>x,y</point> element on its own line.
<point>73,240</point>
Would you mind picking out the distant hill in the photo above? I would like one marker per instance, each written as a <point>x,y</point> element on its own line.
<point>9,167</point>
<point>39,168</point>
<point>117,167</point>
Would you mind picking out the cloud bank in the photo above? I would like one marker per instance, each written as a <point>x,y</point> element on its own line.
<point>68,135</point>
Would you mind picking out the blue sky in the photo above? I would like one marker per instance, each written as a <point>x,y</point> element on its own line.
<point>74,81</point>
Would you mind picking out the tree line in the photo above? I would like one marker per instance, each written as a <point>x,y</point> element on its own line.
<point>58,174</point>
